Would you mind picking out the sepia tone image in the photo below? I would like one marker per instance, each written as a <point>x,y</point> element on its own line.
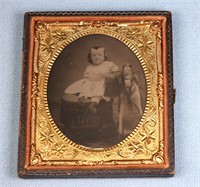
<point>96,91</point>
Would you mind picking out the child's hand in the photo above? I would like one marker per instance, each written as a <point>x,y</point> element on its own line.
<point>112,75</point>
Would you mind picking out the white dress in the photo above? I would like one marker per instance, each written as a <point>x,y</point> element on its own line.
<point>93,84</point>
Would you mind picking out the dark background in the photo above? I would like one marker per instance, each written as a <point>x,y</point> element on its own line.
<point>72,62</point>
<point>70,66</point>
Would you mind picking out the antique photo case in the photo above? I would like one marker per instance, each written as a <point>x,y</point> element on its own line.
<point>97,95</point>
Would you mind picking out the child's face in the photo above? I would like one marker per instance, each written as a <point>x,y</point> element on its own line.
<point>97,56</point>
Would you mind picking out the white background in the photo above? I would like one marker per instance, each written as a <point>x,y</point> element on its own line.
<point>186,41</point>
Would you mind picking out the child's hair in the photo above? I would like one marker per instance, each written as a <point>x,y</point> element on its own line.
<point>96,47</point>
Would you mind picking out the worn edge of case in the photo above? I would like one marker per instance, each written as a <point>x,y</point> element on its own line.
<point>24,173</point>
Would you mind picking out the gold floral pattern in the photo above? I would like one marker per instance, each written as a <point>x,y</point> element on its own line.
<point>46,137</point>
<point>148,136</point>
<point>49,145</point>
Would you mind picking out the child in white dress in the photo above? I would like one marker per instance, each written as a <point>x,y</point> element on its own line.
<point>91,88</point>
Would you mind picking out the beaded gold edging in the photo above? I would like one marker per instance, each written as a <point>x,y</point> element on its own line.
<point>75,37</point>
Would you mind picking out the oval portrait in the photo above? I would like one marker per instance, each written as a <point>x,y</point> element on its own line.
<point>97,91</point>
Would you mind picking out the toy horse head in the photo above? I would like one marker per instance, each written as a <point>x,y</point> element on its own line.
<point>128,76</point>
<point>127,73</point>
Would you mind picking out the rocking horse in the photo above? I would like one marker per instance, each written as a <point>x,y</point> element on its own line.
<point>129,94</point>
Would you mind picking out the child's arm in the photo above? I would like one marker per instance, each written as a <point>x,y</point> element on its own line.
<point>112,75</point>
<point>114,71</point>
<point>87,72</point>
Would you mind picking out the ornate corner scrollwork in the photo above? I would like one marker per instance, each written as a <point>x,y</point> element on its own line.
<point>35,158</point>
<point>158,157</point>
<point>155,26</point>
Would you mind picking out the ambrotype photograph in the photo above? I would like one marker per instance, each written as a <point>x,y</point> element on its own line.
<point>97,95</point>
<point>96,91</point>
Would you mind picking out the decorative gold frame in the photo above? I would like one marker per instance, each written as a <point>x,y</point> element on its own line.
<point>47,149</point>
